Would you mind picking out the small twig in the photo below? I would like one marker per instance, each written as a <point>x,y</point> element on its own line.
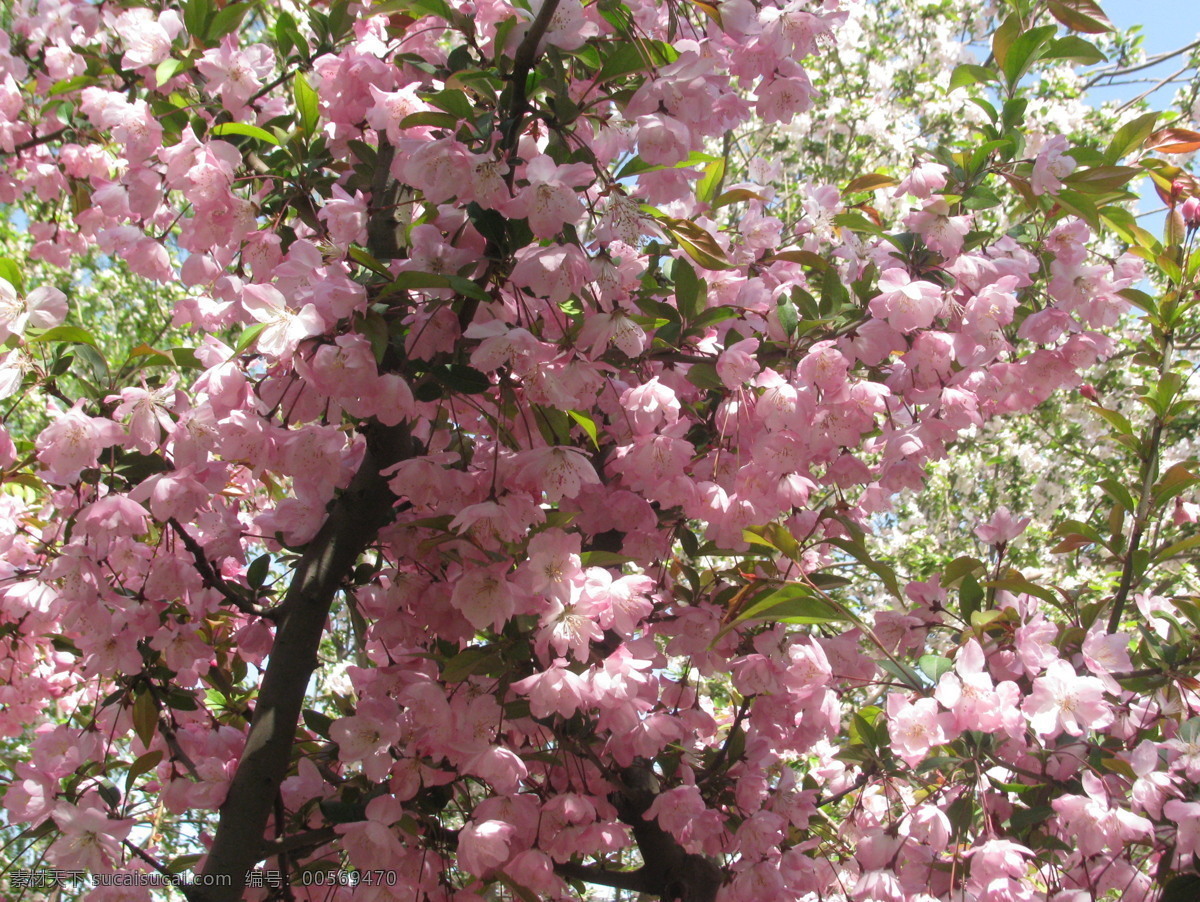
<point>233,594</point>
<point>1147,64</point>
<point>157,865</point>
<point>838,796</point>
<point>34,142</point>
<point>723,753</point>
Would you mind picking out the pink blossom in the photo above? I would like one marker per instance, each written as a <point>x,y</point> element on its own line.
<point>147,39</point>
<point>907,304</point>
<point>942,232</point>
<point>737,365</point>
<point>237,74</point>
<point>1105,654</point>
<point>366,736</point>
<point>1063,701</point>
<point>915,727</point>
<point>73,442</point>
<point>556,690</point>
<point>43,308</point>
<point>549,202</point>
<point>1095,823</point>
<point>560,472</point>
<point>1002,528</point>
<point>89,839</point>
<point>484,597</point>
<point>924,179</point>
<point>1051,166</point>
<point>501,767</point>
<point>285,327</point>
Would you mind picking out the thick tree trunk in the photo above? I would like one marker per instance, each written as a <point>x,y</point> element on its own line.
<point>668,871</point>
<point>354,522</point>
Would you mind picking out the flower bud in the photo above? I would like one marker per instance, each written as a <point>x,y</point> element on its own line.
<point>1190,211</point>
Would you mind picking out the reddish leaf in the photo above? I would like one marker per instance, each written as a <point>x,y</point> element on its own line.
<point>1174,140</point>
<point>1081,15</point>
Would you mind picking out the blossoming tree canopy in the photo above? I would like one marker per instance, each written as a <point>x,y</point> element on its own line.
<point>521,415</point>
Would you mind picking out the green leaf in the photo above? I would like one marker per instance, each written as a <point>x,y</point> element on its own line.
<point>704,375</point>
<point>196,14</point>
<point>168,69</point>
<point>1026,50</point>
<point>793,603</point>
<point>409,281</point>
<point>70,334</point>
<point>472,660</point>
<point>242,128</point>
<point>1022,818</point>
<point>461,378</point>
<point>430,119</point>
<point>734,196</point>
<point>142,765</point>
<point>11,273</point>
<point>1073,48</point>
<point>635,56</point>
<point>970,597</point>
<point>872,181</point>
<point>1004,36</point>
<point>935,665</point>
<point>145,717</point>
<point>587,424</point>
<point>317,722</point>
<point>904,674</point>
<point>856,549</point>
<point>856,222</point>
<point>1177,548</point>
<point>364,258</point>
<point>967,74</point>
<point>416,8</point>
<point>258,571</point>
<point>788,316</point>
<point>1118,493</point>
<point>1176,480</point>
<point>1130,136</point>
<point>247,337</point>
<point>1102,179</point>
<point>1114,419</point>
<point>1081,205</point>
<point>454,102</point>
<point>67,85</point>
<point>604,559</point>
<point>698,244</point>
<point>308,111</point>
<point>226,21</point>
<point>688,289</point>
<point>636,165</point>
<point>706,188</point>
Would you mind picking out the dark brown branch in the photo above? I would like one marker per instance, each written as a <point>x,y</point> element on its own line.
<point>523,63</point>
<point>669,872</point>
<point>634,881</point>
<point>355,520</point>
<point>723,754</point>
<point>34,142</point>
<point>308,840</point>
<point>233,594</point>
<point>838,796</point>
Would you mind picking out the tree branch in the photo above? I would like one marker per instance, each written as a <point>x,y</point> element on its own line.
<point>34,142</point>
<point>634,881</point>
<point>669,872</point>
<point>356,518</point>
<point>214,580</point>
<point>523,62</point>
